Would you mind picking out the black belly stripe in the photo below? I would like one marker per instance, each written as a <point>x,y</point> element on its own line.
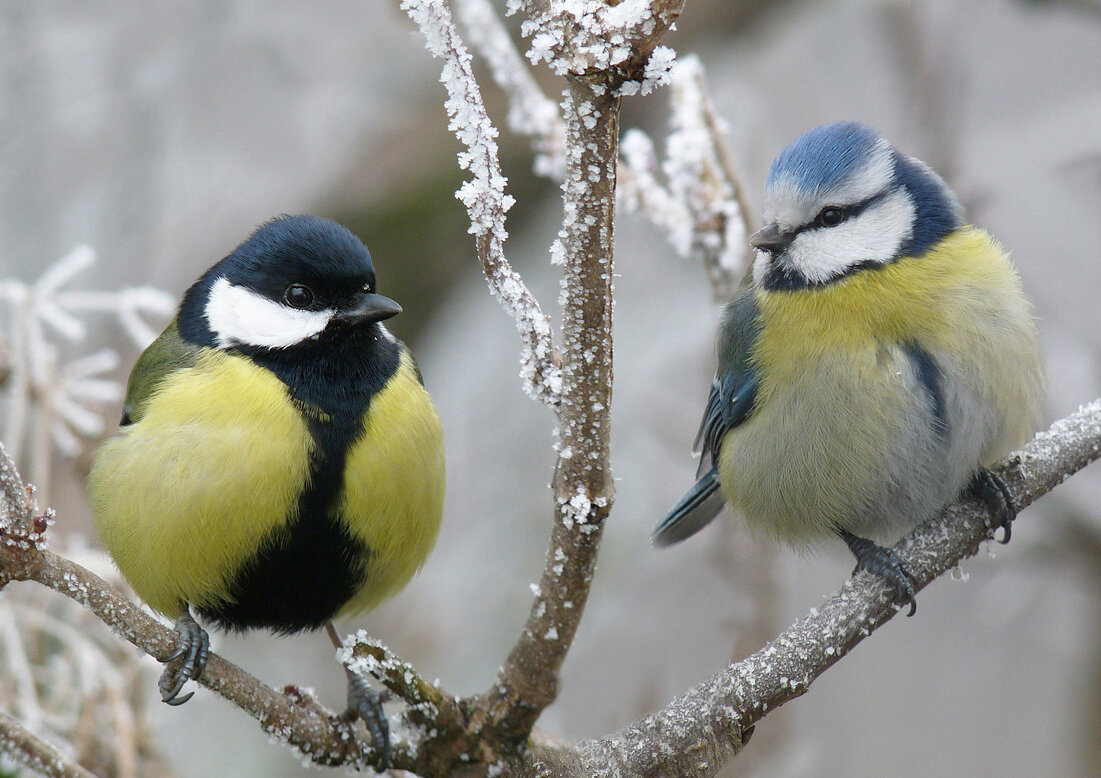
<point>311,566</point>
<point>928,373</point>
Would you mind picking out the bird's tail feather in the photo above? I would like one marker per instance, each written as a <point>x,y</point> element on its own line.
<point>696,509</point>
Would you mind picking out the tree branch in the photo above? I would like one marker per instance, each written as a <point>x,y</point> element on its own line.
<point>304,724</point>
<point>528,679</point>
<point>36,754</point>
<point>583,488</point>
<point>485,198</point>
<point>696,733</point>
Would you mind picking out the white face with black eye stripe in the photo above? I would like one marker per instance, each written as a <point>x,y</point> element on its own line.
<point>862,221</point>
<point>239,316</point>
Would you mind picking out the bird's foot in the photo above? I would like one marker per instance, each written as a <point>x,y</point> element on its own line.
<point>194,650</point>
<point>365,702</point>
<point>992,490</point>
<point>884,563</point>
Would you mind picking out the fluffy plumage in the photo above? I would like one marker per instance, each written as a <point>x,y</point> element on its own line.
<point>279,461</point>
<point>880,356</point>
<point>270,474</point>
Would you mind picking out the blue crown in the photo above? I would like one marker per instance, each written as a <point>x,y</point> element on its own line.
<point>825,156</point>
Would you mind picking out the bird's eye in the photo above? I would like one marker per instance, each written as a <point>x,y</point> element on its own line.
<point>831,216</point>
<point>298,296</point>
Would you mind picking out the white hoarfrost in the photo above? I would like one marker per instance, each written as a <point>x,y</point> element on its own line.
<point>698,205</point>
<point>49,401</point>
<point>484,196</point>
<point>530,113</point>
<point>576,36</point>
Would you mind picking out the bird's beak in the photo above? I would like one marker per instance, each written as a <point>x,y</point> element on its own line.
<point>369,307</point>
<point>771,238</point>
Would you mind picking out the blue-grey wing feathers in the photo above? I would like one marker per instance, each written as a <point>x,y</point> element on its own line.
<point>728,405</point>
<point>730,402</point>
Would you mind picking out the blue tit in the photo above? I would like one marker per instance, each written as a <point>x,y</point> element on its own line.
<point>279,461</point>
<point>878,359</point>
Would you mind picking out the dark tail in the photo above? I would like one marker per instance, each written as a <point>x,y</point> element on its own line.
<point>694,512</point>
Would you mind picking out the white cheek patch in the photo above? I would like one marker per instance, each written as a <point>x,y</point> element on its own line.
<point>875,235</point>
<point>760,267</point>
<point>239,316</point>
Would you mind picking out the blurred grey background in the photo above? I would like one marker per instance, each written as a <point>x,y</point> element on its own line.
<point>162,133</point>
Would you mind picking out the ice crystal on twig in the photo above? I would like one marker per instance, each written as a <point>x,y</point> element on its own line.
<point>582,38</point>
<point>51,403</point>
<point>693,195</point>
<point>530,112</point>
<point>485,199</point>
<point>700,206</point>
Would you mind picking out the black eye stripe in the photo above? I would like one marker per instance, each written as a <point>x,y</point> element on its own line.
<point>851,211</point>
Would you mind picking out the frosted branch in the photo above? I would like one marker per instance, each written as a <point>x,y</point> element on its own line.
<point>694,196</point>
<point>701,205</point>
<point>583,485</point>
<point>48,402</point>
<point>530,112</point>
<point>485,199</point>
<point>699,731</point>
<point>611,45</point>
<point>315,732</point>
<point>17,503</point>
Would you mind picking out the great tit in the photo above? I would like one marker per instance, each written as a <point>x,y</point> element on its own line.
<point>279,460</point>
<point>878,359</point>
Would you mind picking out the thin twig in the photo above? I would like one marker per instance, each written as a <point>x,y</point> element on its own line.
<point>36,754</point>
<point>530,112</point>
<point>485,198</point>
<point>583,487</point>
<point>700,203</point>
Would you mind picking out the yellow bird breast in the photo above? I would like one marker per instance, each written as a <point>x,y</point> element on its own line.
<point>842,432</point>
<point>186,498</point>
<point>394,485</point>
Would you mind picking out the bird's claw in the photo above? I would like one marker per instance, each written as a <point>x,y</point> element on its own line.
<point>173,700</point>
<point>991,489</point>
<point>194,650</point>
<point>885,563</point>
<point>365,702</point>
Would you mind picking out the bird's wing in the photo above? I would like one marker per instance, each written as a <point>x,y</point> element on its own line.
<point>728,405</point>
<point>734,389</point>
<point>168,353</point>
<point>730,402</point>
